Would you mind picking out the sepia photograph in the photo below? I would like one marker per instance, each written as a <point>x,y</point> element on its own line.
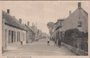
<point>44,28</point>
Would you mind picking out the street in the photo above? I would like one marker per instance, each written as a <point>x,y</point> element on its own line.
<point>40,48</point>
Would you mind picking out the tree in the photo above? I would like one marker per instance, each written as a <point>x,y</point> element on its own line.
<point>50,25</point>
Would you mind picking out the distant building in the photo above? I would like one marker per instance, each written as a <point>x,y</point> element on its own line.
<point>30,35</point>
<point>35,30</point>
<point>58,32</point>
<point>14,32</point>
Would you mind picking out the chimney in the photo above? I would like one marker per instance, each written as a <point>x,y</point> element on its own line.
<point>20,20</point>
<point>28,23</point>
<point>8,11</point>
<point>69,12</point>
<point>79,4</point>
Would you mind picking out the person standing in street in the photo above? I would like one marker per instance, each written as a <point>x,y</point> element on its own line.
<point>48,42</point>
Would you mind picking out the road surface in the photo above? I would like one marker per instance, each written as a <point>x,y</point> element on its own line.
<point>40,48</point>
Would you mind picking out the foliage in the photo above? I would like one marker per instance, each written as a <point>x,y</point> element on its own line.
<point>50,24</point>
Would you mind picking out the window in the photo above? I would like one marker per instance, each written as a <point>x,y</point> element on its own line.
<point>14,36</point>
<point>23,36</point>
<point>9,36</point>
<point>63,34</point>
<point>79,24</point>
<point>18,36</point>
<point>5,37</point>
<point>6,34</point>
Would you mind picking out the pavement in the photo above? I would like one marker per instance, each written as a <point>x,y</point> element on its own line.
<point>40,48</point>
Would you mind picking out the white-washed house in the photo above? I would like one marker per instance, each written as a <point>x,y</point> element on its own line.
<point>14,32</point>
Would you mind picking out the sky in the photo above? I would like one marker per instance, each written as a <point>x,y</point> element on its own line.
<point>41,12</point>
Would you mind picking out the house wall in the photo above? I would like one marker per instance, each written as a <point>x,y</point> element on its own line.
<point>72,21</point>
<point>30,36</point>
<point>16,39</point>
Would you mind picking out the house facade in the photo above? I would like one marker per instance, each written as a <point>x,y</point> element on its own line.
<point>78,19</point>
<point>14,32</point>
<point>73,30</point>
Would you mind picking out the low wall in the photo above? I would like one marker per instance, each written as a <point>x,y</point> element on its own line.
<point>77,51</point>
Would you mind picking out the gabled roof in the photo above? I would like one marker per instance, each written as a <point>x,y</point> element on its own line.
<point>75,16</point>
<point>12,21</point>
<point>79,12</point>
<point>72,20</point>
